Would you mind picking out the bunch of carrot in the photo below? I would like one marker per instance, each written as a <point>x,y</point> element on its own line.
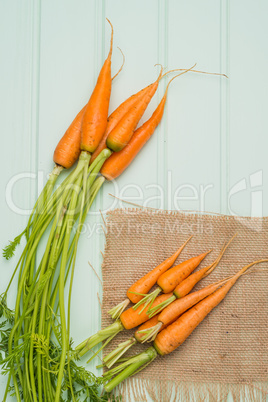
<point>181,313</point>
<point>103,146</point>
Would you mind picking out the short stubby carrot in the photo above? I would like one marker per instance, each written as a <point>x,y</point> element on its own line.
<point>132,318</point>
<point>95,117</point>
<point>175,308</point>
<point>68,149</point>
<point>170,279</point>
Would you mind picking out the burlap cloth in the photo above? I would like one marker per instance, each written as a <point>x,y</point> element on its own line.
<point>228,350</point>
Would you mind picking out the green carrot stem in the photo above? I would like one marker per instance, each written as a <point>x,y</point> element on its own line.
<point>100,336</point>
<point>147,300</point>
<point>156,310</point>
<point>43,197</point>
<point>116,311</point>
<point>110,359</point>
<point>141,360</point>
<point>85,157</point>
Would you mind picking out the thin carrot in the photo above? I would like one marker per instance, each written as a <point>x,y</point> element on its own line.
<point>138,290</point>
<point>96,112</point>
<point>175,334</point>
<point>119,137</point>
<point>68,149</point>
<point>170,279</point>
<point>188,284</point>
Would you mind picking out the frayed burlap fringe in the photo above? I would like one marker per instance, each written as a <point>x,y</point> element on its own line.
<point>140,390</point>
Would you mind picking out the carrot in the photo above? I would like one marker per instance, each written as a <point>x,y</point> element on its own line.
<point>119,137</point>
<point>119,161</point>
<point>169,280</point>
<point>137,291</point>
<point>175,334</point>
<point>96,112</point>
<point>175,309</point>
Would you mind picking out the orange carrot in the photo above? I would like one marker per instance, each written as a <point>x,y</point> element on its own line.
<point>144,284</point>
<point>187,284</point>
<point>132,318</point>
<point>120,136</point>
<point>115,117</point>
<point>175,334</point>
<point>137,292</point>
<point>96,112</point>
<point>169,280</point>
<point>175,309</point>
<point>68,149</point>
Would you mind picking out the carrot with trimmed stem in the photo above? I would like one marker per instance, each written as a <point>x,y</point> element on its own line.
<point>174,309</point>
<point>111,358</point>
<point>184,287</point>
<point>174,335</point>
<point>144,284</point>
<point>96,112</point>
<point>129,319</point>
<point>170,279</point>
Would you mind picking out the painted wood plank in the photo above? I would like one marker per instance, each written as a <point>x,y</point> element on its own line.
<point>248,111</point>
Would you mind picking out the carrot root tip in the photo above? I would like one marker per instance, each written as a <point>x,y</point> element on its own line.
<point>116,311</point>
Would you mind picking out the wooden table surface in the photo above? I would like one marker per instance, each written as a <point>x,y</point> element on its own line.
<point>210,151</point>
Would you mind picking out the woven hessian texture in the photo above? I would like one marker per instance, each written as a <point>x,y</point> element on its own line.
<point>230,345</point>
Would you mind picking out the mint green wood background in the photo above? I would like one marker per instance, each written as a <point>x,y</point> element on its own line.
<point>214,132</point>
